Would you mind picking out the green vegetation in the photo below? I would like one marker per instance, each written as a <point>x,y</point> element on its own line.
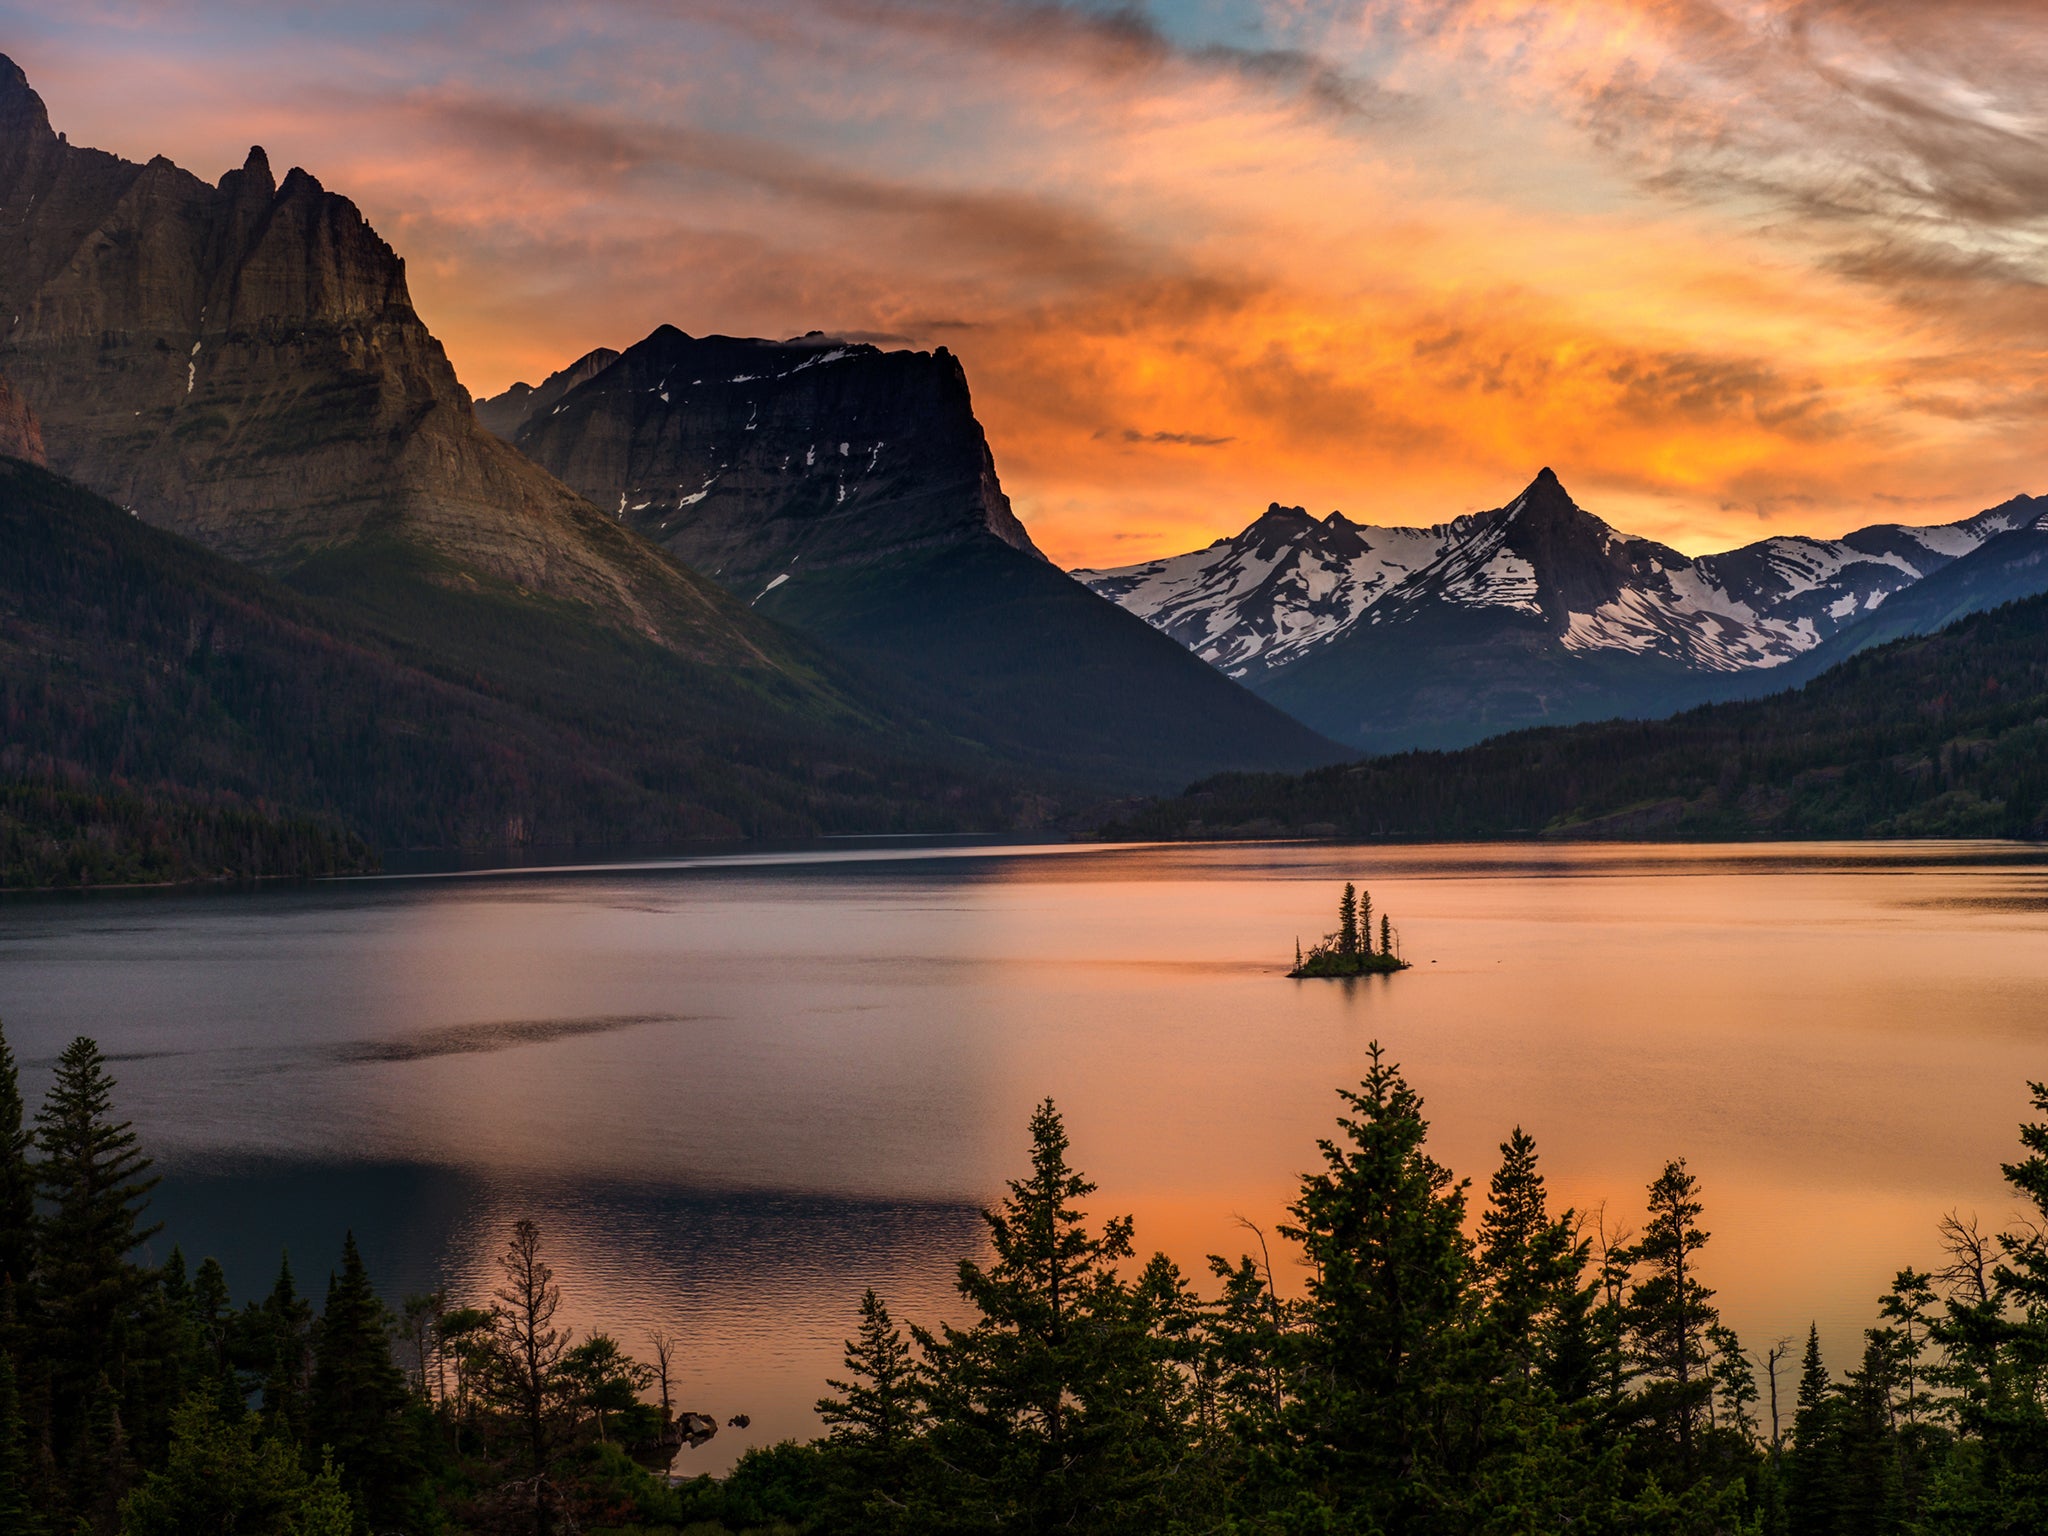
<point>1940,736</point>
<point>1454,1366</point>
<point>172,716</point>
<point>1350,950</point>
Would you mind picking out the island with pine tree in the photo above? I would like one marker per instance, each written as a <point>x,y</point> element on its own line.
<point>1349,951</point>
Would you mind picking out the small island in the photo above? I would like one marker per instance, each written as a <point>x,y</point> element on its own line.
<point>1349,951</point>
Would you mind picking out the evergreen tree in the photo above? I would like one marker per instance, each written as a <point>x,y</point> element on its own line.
<point>1669,1321</point>
<point>1347,921</point>
<point>878,1408</point>
<point>356,1398</point>
<point>1365,921</point>
<point>1053,1411</point>
<point>95,1184</point>
<point>1382,1377</point>
<point>17,1178</point>
<point>1529,1263</point>
<point>1386,934</point>
<point>1811,1473</point>
<point>278,1349</point>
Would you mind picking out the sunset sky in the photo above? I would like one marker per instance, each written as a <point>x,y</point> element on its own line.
<point>1732,267</point>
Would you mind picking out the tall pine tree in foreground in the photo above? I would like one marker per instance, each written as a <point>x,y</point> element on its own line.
<point>95,1184</point>
<point>1048,1411</point>
<point>1385,1353</point>
<point>356,1400</point>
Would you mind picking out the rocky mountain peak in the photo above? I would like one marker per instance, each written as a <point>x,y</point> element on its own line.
<point>22,113</point>
<point>253,180</point>
<point>758,461</point>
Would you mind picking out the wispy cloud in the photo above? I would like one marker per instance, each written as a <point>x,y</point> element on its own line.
<point>1719,261</point>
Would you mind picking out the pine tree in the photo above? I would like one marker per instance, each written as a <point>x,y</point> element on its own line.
<point>1811,1476</point>
<point>1529,1262</point>
<point>1386,935</point>
<point>1347,921</point>
<point>17,1178</point>
<point>878,1408</point>
<point>356,1398</point>
<point>1052,1409</point>
<point>1365,921</point>
<point>96,1184</point>
<point>279,1337</point>
<point>1670,1318</point>
<point>1385,1351</point>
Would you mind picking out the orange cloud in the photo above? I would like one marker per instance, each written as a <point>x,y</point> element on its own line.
<point>1731,270</point>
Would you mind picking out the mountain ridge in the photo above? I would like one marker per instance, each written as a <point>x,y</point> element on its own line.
<point>1349,625</point>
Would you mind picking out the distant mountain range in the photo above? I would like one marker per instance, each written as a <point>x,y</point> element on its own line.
<point>1540,612</point>
<point>1942,735</point>
<point>850,493</point>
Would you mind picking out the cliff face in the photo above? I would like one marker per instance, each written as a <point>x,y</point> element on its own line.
<point>759,459</point>
<point>242,363</point>
<point>21,435</point>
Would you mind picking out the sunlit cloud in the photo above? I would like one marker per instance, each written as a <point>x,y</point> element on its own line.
<point>1732,267</point>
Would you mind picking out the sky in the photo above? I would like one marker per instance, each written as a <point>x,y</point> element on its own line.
<point>1734,268</point>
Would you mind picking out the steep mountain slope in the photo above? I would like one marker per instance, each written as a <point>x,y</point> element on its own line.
<point>1393,637</point>
<point>2005,568</point>
<point>851,493</point>
<point>1926,737</point>
<point>147,682</point>
<point>242,363</point>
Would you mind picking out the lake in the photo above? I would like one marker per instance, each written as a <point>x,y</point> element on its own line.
<point>735,1090</point>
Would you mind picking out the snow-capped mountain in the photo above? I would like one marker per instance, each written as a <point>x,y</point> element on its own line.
<point>1291,583</point>
<point>1312,612</point>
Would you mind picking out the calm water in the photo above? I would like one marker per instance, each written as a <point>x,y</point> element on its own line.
<point>734,1092</point>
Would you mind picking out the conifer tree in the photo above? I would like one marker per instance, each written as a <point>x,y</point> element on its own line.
<point>1050,1407</point>
<point>1382,1227</point>
<point>1670,1317</point>
<point>1365,921</point>
<point>1347,921</point>
<point>95,1183</point>
<point>356,1398</point>
<point>280,1334</point>
<point>878,1405</point>
<point>1530,1262</point>
<point>17,1178</point>
<point>1386,935</point>
<point>1811,1470</point>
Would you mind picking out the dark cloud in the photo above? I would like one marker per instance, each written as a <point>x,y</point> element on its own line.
<point>1174,439</point>
<point>1119,39</point>
<point>1015,230</point>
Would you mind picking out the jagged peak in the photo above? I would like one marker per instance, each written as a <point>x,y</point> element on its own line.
<point>300,181</point>
<point>21,109</point>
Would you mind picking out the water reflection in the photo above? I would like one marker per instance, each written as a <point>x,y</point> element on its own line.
<point>735,1092</point>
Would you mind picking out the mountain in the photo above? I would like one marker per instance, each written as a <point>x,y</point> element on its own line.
<point>172,714</point>
<point>851,493</point>
<point>2005,568</point>
<point>241,363</point>
<point>1929,736</point>
<point>1535,612</point>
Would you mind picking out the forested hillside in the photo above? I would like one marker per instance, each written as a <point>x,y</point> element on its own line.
<point>1940,736</point>
<point>170,715</point>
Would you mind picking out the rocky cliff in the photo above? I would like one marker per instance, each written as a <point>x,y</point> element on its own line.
<point>759,460</point>
<point>242,363</point>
